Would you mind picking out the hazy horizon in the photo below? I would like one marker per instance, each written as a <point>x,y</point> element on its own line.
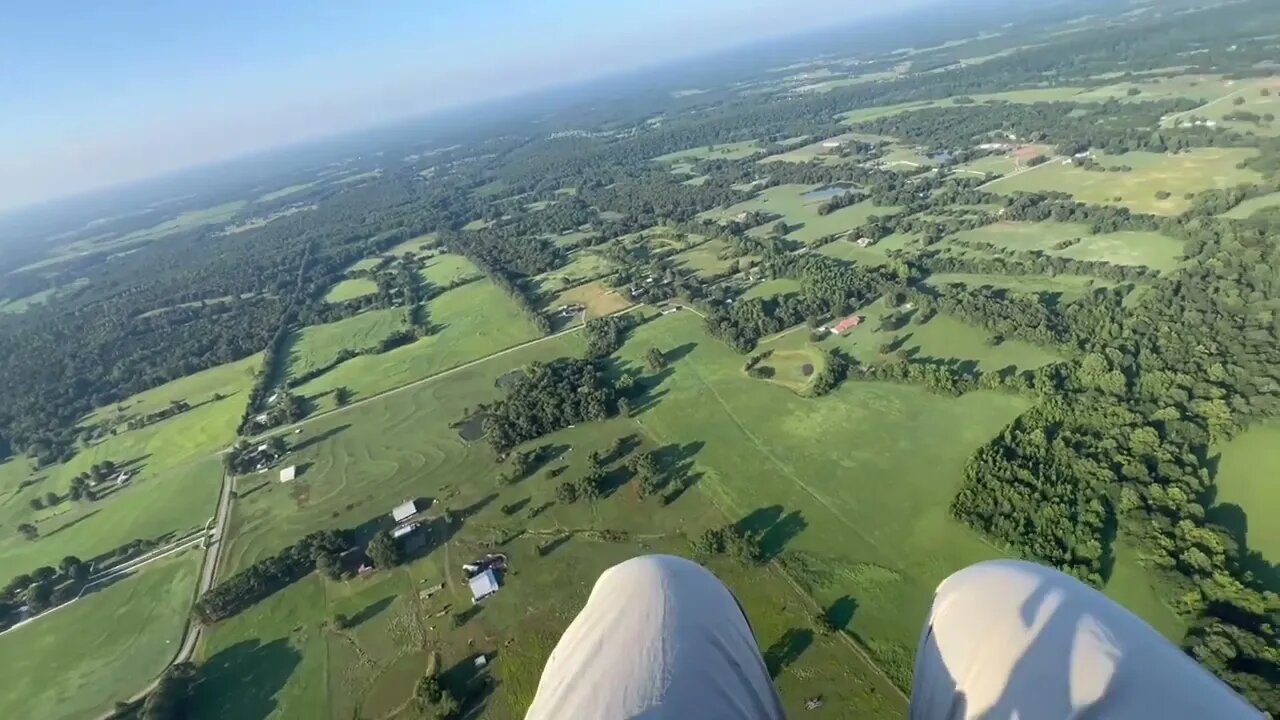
<point>112,95</point>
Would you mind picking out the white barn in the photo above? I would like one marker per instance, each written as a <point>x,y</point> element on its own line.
<point>483,585</point>
<point>289,473</point>
<point>404,511</point>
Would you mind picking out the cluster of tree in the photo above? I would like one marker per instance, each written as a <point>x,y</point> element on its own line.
<point>170,698</point>
<point>606,334</point>
<point>383,551</point>
<point>843,200</point>
<point>1122,441</point>
<point>243,458</point>
<point>835,368</point>
<point>265,577</point>
<point>737,542</point>
<point>41,589</point>
<point>549,397</point>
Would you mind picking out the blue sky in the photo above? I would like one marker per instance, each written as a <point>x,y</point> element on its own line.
<point>97,93</point>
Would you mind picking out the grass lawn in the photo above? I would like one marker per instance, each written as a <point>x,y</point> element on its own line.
<point>877,254</point>
<point>1153,250</point>
<point>1246,482</point>
<point>772,288</point>
<point>285,191</point>
<point>477,319</point>
<point>447,269</point>
<point>1247,208</point>
<point>316,346</point>
<point>1223,103</point>
<point>598,298</point>
<point>583,265</point>
<point>414,245</point>
<point>943,337</point>
<point>177,475</point>
<point>352,288</point>
<point>722,151</point>
<point>801,214</point>
<point>705,259</point>
<point>1187,172</point>
<point>571,239</point>
<point>102,648</point>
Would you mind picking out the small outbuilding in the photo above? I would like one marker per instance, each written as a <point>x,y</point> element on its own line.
<point>404,511</point>
<point>289,473</point>
<point>483,585</point>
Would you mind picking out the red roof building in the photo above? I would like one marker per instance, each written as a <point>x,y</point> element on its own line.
<point>848,323</point>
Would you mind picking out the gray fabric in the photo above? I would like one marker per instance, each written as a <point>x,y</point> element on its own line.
<point>1009,639</point>
<point>660,638</point>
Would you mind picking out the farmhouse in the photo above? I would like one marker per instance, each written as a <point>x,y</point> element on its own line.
<point>483,585</point>
<point>404,511</point>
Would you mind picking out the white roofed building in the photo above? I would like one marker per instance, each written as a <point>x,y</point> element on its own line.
<point>404,511</point>
<point>483,585</point>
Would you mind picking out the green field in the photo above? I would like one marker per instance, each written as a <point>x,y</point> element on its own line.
<point>177,474</point>
<point>721,151</point>
<point>317,346</point>
<point>1247,208</point>
<point>1014,96</point>
<point>1187,172</point>
<point>1223,103</point>
<point>476,320</point>
<point>584,265</point>
<point>448,269</point>
<point>772,288</point>
<point>76,662</point>
<point>285,191</point>
<point>1070,286</point>
<point>706,259</point>
<point>184,221</point>
<point>414,245</point>
<point>352,288</point>
<point>280,658</point>
<point>1153,250</point>
<point>801,215</point>
<point>1246,479</point>
<point>877,254</point>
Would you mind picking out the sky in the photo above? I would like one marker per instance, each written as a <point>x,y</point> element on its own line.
<point>94,94</point>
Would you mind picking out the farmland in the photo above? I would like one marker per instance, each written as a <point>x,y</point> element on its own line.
<point>475,320</point>
<point>1248,499</point>
<point>1178,175</point>
<point>596,297</point>
<point>125,632</point>
<point>721,151</point>
<point>584,265</point>
<point>1153,250</point>
<point>448,270</point>
<point>317,346</point>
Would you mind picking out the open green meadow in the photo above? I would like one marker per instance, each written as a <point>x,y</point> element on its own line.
<point>584,265</point>
<point>475,320</point>
<point>374,456</point>
<point>773,288</point>
<point>722,151</point>
<point>352,288</point>
<point>76,662</point>
<point>176,469</point>
<point>285,191</point>
<point>1248,497</point>
<point>800,214</point>
<point>317,346</point>
<point>184,221</point>
<point>595,296</point>
<point>1224,104</point>
<point>1186,173</point>
<point>1069,286</point>
<point>1156,251</point>
<point>414,245</point>
<point>877,254</point>
<point>448,269</point>
<point>706,259</point>
<point>1253,205</point>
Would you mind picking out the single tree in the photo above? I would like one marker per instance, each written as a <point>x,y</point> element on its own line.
<point>28,531</point>
<point>655,360</point>
<point>341,395</point>
<point>384,551</point>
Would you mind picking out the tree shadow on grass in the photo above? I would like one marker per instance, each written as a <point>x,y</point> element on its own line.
<point>320,437</point>
<point>1235,521</point>
<point>787,650</point>
<point>243,680</point>
<point>370,611</point>
<point>73,523</point>
<point>472,686</point>
<point>841,613</point>
<point>679,352</point>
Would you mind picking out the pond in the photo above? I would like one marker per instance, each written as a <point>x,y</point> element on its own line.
<point>828,192</point>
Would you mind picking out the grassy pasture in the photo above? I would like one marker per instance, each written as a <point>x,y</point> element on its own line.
<point>1188,172</point>
<point>1069,286</point>
<point>706,259</point>
<point>584,265</point>
<point>316,346</point>
<point>1034,95</point>
<point>177,475</point>
<point>477,319</point>
<point>352,288</point>
<point>448,269</point>
<point>184,221</point>
<point>1151,249</point>
<point>285,191</point>
<point>572,239</point>
<point>1248,498</point>
<point>414,245</point>
<point>1247,208</point>
<point>800,214</point>
<point>374,456</point>
<point>598,298</point>
<point>722,151</point>
<point>1223,103</point>
<point>772,288</point>
<point>78,661</point>
<point>877,254</point>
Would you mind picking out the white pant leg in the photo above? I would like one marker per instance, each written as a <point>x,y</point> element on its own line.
<point>1010,639</point>
<point>660,638</point>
